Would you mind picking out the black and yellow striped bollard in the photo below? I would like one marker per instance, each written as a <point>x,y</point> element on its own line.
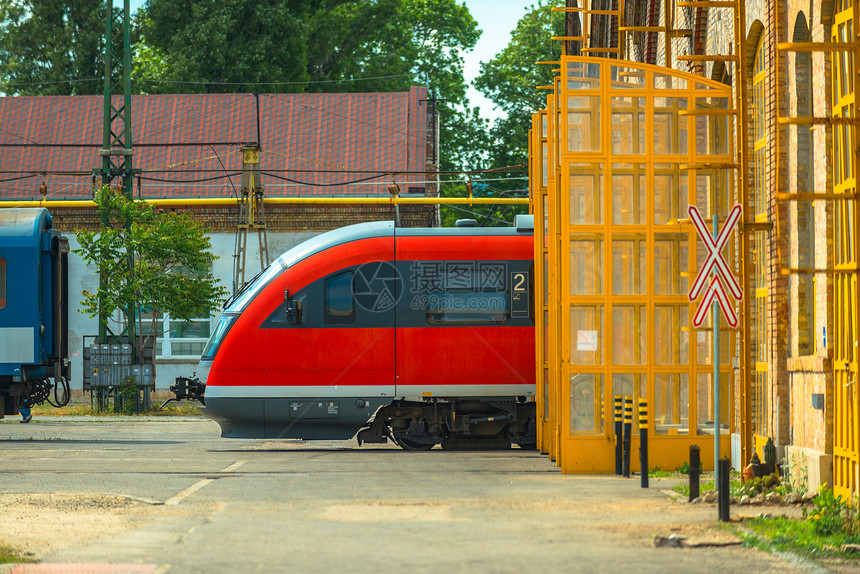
<point>643,441</point>
<point>628,431</point>
<point>619,405</point>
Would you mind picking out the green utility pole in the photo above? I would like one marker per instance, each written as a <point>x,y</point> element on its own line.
<point>117,152</point>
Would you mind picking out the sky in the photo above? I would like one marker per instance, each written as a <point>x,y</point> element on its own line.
<point>496,18</point>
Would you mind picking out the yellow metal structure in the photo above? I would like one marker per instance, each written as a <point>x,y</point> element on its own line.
<point>844,51</point>
<point>846,433</point>
<point>636,145</point>
<point>761,247</point>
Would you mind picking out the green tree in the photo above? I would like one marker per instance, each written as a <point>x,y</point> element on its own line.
<point>50,47</point>
<point>316,46</point>
<point>511,78</point>
<point>172,271</point>
<point>222,46</point>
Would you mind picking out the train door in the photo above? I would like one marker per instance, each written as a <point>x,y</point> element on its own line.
<point>341,368</point>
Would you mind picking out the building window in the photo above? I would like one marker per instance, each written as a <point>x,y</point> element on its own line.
<point>802,216</point>
<point>178,339</point>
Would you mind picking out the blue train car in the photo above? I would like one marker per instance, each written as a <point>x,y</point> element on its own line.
<point>34,284</point>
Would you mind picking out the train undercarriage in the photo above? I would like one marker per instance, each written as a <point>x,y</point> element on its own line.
<point>456,424</point>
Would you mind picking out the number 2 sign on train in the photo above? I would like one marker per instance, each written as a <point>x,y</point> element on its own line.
<point>421,335</point>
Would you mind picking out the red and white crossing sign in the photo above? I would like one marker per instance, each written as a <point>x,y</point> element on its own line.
<point>716,263</point>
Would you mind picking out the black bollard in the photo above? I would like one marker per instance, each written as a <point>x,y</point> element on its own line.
<point>695,465</point>
<point>618,432</point>
<point>628,431</point>
<point>723,495</point>
<point>643,442</point>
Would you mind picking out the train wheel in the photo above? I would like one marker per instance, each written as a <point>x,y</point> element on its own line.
<point>409,444</point>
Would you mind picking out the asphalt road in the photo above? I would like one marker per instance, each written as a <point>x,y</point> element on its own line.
<point>169,495</point>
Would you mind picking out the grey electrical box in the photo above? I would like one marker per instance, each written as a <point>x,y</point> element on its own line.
<point>818,401</point>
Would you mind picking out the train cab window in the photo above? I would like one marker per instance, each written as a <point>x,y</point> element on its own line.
<point>339,304</point>
<point>2,283</point>
<point>468,308</point>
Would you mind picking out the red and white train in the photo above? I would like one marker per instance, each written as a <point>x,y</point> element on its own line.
<point>424,336</point>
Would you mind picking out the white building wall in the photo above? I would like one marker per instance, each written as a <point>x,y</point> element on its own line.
<point>83,277</point>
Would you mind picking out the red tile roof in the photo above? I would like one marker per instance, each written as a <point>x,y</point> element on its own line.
<point>309,139</point>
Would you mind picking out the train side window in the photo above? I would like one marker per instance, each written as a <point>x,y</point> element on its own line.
<point>468,308</point>
<point>339,304</point>
<point>2,283</point>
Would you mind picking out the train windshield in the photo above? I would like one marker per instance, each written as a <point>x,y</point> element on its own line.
<point>252,288</point>
<point>218,335</point>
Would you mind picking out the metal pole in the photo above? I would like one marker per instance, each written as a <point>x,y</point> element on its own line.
<point>716,361</point>
<point>723,486</point>
<point>695,465</point>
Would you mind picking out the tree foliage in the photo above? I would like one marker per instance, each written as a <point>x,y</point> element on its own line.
<point>50,47</point>
<point>316,46</point>
<point>172,271</point>
<point>510,80</point>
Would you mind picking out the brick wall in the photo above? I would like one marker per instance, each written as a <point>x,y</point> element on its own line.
<point>278,218</point>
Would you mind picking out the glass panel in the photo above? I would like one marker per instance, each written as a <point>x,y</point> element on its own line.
<point>195,329</point>
<point>544,159</point>
<point>586,193</point>
<point>546,394</point>
<point>629,183</point>
<point>667,82</point>
<point>586,400</point>
<point>629,335</point>
<point>705,404</point>
<point>705,343</point>
<point>712,132</point>
<point>338,298</point>
<point>624,77</point>
<point>670,130</point>
<point>545,278</point>
<point>671,334</point>
<point>187,348</point>
<point>543,123</point>
<point>583,123</point>
<point>671,403</point>
<point>586,264</point>
<point>628,126</point>
<point>147,326</point>
<point>628,264</point>
<point>546,334</point>
<point>586,334</point>
<point>583,76</point>
<point>545,221</point>
<point>630,385</point>
<point>671,262</point>
<point>468,308</point>
<point>714,192</point>
<point>671,195</point>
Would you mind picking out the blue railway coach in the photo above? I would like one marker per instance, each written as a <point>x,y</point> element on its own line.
<point>34,283</point>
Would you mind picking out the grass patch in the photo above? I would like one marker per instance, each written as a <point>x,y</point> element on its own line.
<point>186,408</point>
<point>10,556</point>
<point>799,536</point>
